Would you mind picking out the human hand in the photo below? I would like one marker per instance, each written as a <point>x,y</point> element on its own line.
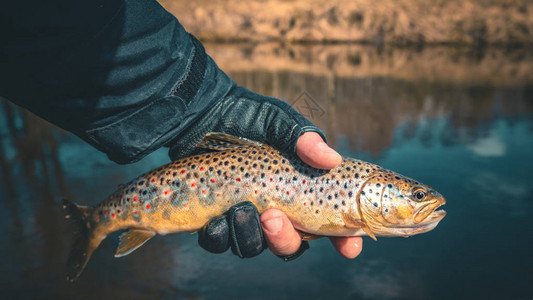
<point>240,227</point>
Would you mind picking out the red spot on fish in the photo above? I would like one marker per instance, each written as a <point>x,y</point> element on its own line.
<point>105,212</point>
<point>238,179</point>
<point>167,192</point>
<point>119,211</point>
<point>213,180</point>
<point>271,179</point>
<point>148,206</point>
<point>135,212</point>
<point>97,218</point>
<point>202,168</point>
<point>135,198</point>
<point>204,192</point>
<point>193,184</point>
<point>112,215</point>
<point>305,203</point>
<point>183,172</point>
<point>288,193</point>
<point>218,194</point>
<point>168,173</point>
<point>185,205</point>
<point>304,182</point>
<point>153,179</point>
<point>256,192</point>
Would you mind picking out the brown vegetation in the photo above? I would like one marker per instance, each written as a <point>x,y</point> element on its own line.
<point>399,22</point>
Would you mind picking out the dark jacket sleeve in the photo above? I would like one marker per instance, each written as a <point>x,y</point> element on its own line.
<point>127,78</point>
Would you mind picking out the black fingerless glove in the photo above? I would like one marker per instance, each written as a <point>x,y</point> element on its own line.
<point>239,228</point>
<point>246,114</point>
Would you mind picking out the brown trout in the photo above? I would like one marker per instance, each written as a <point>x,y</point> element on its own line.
<point>356,198</point>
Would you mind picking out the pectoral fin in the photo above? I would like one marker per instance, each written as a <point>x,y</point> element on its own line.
<point>131,240</point>
<point>353,223</point>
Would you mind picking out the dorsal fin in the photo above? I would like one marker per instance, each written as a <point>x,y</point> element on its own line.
<point>131,240</point>
<point>222,141</point>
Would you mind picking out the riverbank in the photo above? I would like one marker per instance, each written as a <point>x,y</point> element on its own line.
<point>396,22</point>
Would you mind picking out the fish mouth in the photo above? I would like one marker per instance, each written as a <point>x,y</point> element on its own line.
<point>425,213</point>
<point>427,224</point>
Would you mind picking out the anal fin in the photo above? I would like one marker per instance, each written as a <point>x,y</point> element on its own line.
<point>131,240</point>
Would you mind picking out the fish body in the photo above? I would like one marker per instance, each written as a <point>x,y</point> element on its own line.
<point>355,198</point>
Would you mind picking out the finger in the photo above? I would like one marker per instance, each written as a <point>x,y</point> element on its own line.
<point>281,237</point>
<point>214,237</point>
<point>313,151</point>
<point>350,247</point>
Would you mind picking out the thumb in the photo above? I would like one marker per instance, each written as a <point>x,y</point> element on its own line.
<point>312,150</point>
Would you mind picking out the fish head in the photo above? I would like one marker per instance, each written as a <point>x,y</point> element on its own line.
<point>394,205</point>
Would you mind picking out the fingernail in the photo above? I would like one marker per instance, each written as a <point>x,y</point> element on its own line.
<point>273,226</point>
<point>325,148</point>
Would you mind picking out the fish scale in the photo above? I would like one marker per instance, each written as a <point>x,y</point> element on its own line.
<point>355,198</point>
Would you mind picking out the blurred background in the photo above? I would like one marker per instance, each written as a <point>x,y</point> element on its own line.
<point>441,91</point>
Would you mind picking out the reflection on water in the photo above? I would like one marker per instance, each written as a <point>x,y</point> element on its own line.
<point>467,131</point>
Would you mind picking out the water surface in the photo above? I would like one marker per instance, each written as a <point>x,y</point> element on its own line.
<point>458,120</point>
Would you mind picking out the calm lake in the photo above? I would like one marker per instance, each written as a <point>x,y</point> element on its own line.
<point>459,120</point>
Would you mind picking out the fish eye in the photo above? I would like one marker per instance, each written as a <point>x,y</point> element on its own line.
<point>419,194</point>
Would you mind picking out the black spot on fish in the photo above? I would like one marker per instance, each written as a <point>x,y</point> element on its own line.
<point>378,185</point>
<point>141,182</point>
<point>275,161</point>
<point>356,175</point>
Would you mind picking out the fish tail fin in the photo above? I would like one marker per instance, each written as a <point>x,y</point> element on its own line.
<point>84,242</point>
